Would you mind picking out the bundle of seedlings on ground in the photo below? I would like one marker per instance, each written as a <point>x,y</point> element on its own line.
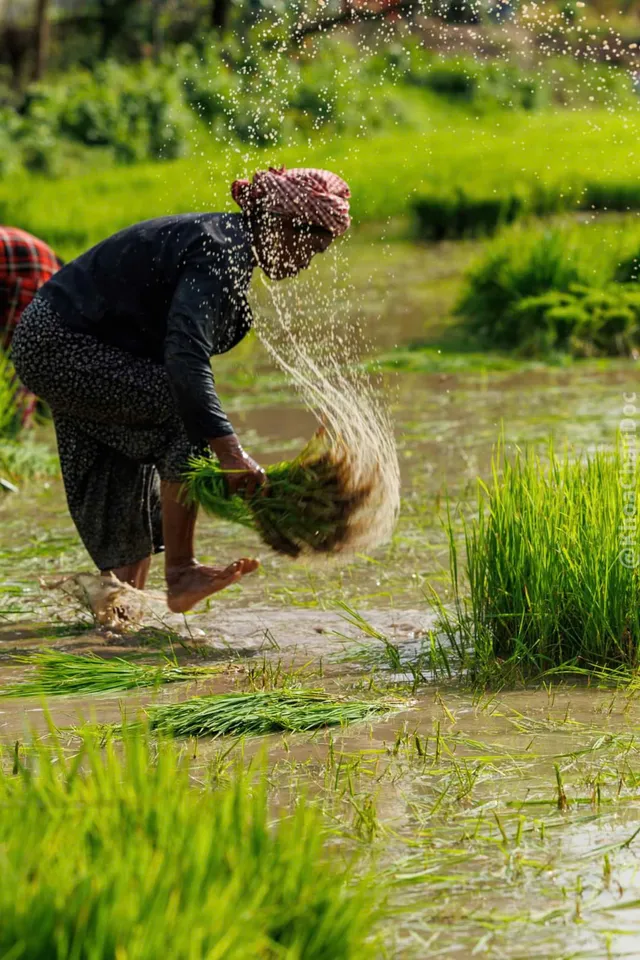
<point>258,713</point>
<point>321,502</point>
<point>64,674</point>
<point>116,853</point>
<point>552,566</point>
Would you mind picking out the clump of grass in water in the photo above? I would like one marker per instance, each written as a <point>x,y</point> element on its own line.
<point>117,854</point>
<point>308,506</point>
<point>548,585</point>
<point>515,271</point>
<point>63,674</point>
<point>258,713</point>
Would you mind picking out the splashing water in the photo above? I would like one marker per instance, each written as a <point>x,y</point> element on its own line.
<point>320,361</point>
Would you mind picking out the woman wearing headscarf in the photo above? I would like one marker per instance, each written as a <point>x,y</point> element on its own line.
<point>119,344</point>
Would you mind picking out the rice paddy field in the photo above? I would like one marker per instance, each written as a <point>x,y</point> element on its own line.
<point>331,729</point>
<point>428,749</point>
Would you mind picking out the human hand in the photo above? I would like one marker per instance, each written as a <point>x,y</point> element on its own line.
<point>245,476</point>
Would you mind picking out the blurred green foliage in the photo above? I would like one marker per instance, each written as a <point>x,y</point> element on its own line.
<point>583,321</point>
<point>134,113</point>
<point>9,419</point>
<point>258,95</point>
<point>539,292</point>
<point>260,91</point>
<point>443,149</point>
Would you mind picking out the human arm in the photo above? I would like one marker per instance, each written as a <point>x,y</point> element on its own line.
<point>194,322</point>
<point>245,474</point>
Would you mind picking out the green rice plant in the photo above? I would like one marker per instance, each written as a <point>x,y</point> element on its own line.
<point>258,713</point>
<point>475,209</point>
<point>464,214</point>
<point>305,506</point>
<point>479,208</point>
<point>552,565</point>
<point>584,321</point>
<point>530,264</point>
<point>629,269</point>
<point>65,674</point>
<point>114,853</point>
<point>620,195</point>
<point>8,397</point>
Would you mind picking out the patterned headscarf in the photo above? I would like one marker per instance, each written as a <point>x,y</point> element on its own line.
<point>304,193</point>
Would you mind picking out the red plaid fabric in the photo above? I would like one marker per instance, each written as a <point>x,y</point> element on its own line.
<point>25,264</point>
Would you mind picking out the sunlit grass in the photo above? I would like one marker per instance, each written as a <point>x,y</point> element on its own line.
<point>552,573</point>
<point>61,674</point>
<point>20,455</point>
<point>8,397</point>
<point>116,853</point>
<point>446,146</point>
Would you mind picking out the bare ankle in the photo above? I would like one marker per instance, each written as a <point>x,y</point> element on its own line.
<point>174,571</point>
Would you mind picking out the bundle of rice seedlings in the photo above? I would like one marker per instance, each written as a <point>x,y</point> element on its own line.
<point>258,713</point>
<point>64,674</point>
<point>321,502</point>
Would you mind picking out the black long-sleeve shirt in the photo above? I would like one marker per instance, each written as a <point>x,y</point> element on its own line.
<point>173,290</point>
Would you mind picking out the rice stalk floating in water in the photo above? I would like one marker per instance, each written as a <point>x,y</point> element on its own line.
<point>66,674</point>
<point>258,713</point>
<point>321,502</point>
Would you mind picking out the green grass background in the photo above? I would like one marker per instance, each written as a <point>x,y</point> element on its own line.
<point>442,147</point>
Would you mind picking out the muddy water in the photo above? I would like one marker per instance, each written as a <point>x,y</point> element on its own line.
<point>456,800</point>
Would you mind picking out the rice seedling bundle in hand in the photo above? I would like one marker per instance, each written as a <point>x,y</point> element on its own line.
<point>65,674</point>
<point>258,713</point>
<point>341,494</point>
<point>317,503</point>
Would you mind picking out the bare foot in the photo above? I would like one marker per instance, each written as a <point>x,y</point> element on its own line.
<point>187,586</point>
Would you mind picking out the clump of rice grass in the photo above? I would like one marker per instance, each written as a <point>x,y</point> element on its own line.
<point>315,504</point>
<point>523,266</point>
<point>60,674</point>
<point>115,853</point>
<point>552,565</point>
<point>258,713</point>
<point>9,419</point>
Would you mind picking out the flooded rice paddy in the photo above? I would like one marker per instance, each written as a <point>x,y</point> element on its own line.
<point>504,823</point>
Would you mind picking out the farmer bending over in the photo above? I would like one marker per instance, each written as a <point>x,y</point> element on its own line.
<point>118,343</point>
<point>25,264</point>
